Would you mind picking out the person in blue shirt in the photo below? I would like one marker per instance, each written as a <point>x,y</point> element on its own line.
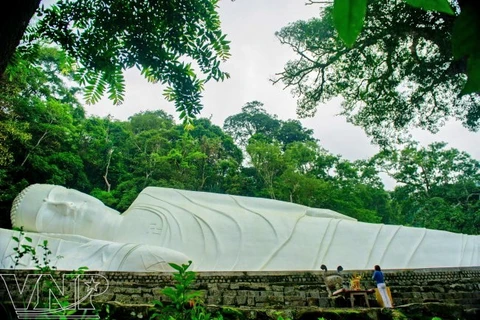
<point>382,288</point>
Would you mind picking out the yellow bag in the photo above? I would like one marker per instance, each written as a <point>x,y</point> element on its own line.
<point>379,297</point>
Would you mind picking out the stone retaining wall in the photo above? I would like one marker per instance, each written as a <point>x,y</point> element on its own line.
<point>272,289</point>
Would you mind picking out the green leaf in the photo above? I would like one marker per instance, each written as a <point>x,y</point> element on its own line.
<point>157,303</point>
<point>95,89</point>
<point>348,18</point>
<point>466,32</point>
<point>190,276</point>
<point>169,292</point>
<point>433,5</point>
<point>473,73</point>
<point>176,267</point>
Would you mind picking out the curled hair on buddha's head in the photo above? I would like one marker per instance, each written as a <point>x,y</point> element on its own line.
<point>377,268</point>
<point>16,203</point>
<point>26,205</point>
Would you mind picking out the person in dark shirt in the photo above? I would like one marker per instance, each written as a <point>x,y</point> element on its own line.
<point>382,288</point>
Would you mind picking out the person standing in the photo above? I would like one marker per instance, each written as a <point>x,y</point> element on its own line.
<point>382,287</point>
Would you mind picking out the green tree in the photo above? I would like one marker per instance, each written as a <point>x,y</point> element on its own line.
<point>357,190</point>
<point>299,158</point>
<point>103,146</point>
<point>105,37</point>
<point>438,187</point>
<point>40,118</point>
<point>153,136</point>
<point>11,130</point>
<point>268,161</point>
<point>423,168</point>
<point>253,119</point>
<point>221,157</point>
<point>400,72</point>
<point>292,131</point>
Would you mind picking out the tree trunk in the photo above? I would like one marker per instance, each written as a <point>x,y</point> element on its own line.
<point>106,170</point>
<point>13,23</point>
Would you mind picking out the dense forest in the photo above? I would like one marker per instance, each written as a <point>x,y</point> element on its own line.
<point>46,137</point>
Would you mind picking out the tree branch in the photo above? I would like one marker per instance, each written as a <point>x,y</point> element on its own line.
<point>310,2</point>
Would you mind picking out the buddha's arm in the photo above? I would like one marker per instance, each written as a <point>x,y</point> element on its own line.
<point>70,252</point>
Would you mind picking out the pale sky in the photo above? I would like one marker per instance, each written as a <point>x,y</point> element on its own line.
<point>256,56</point>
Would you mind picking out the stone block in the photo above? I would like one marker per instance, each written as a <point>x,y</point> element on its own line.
<point>241,300</point>
<point>293,298</point>
<point>289,290</point>
<point>437,288</point>
<point>323,302</point>
<point>229,293</point>
<point>214,294</point>
<point>313,294</point>
<point>229,300</point>
<point>260,286</point>
<point>214,299</point>
<point>439,296</point>
<point>313,302</point>
<point>297,303</point>
<point>212,286</point>
<point>416,289</point>
<point>132,291</point>
<point>275,299</point>
<point>428,296</point>
<point>223,286</point>
<point>242,293</point>
<point>417,296</point>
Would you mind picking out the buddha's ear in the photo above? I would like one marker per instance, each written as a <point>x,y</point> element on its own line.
<point>63,207</point>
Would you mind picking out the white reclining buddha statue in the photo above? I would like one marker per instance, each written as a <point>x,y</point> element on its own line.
<point>219,232</point>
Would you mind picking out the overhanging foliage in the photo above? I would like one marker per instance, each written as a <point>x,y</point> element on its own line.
<point>400,73</point>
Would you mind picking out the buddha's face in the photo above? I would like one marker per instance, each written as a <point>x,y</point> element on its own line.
<point>56,209</point>
<point>67,208</point>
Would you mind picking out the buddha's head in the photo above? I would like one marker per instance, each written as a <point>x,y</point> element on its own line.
<point>27,204</point>
<point>56,209</point>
